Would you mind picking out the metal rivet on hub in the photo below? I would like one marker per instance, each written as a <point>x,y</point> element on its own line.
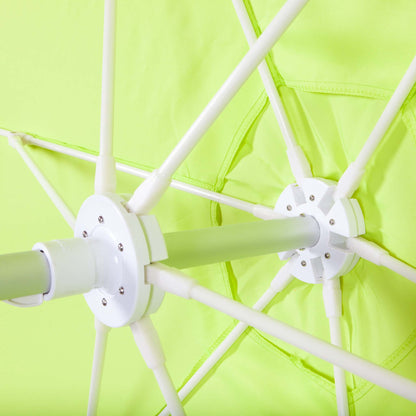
<point>331,221</point>
<point>120,247</point>
<point>312,197</point>
<point>327,255</point>
<point>100,219</point>
<point>289,207</point>
<point>303,263</point>
<point>121,290</point>
<point>84,234</point>
<point>104,301</point>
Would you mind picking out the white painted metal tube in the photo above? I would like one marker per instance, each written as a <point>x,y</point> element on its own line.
<point>333,307</point>
<point>148,342</point>
<point>258,210</point>
<point>107,81</point>
<point>101,336</point>
<point>363,368</point>
<point>339,373</point>
<point>169,393</point>
<point>149,192</point>
<point>105,177</point>
<point>375,254</point>
<point>297,159</point>
<point>217,244</point>
<point>280,282</point>
<point>248,64</point>
<point>351,178</point>
<point>53,147</point>
<point>173,281</point>
<point>48,188</point>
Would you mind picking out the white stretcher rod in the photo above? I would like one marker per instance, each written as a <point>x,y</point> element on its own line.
<point>177,283</point>
<point>148,342</point>
<point>332,296</point>
<point>351,178</point>
<point>258,210</point>
<point>105,176</point>
<point>297,159</point>
<point>375,254</point>
<point>149,193</point>
<point>101,335</point>
<point>53,195</point>
<point>280,282</point>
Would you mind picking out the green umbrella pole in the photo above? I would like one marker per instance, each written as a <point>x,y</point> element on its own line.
<point>23,274</point>
<point>217,244</point>
<point>28,273</point>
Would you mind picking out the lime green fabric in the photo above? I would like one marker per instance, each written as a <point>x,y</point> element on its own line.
<point>335,68</point>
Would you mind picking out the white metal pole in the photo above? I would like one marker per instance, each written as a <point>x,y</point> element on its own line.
<point>149,193</point>
<point>148,342</point>
<point>66,213</point>
<point>248,64</point>
<point>101,336</point>
<point>105,176</point>
<point>173,281</point>
<point>333,307</point>
<point>297,159</point>
<point>258,210</point>
<point>280,282</point>
<point>375,254</point>
<point>351,178</point>
<point>335,355</point>
<point>168,391</point>
<point>339,373</point>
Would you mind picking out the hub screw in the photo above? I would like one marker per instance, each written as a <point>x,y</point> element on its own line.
<point>104,301</point>
<point>100,219</point>
<point>120,247</point>
<point>303,263</point>
<point>312,198</point>
<point>331,221</point>
<point>327,255</point>
<point>121,290</point>
<point>84,234</point>
<point>289,207</point>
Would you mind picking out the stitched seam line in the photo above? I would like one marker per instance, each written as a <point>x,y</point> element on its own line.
<point>355,90</point>
<point>364,387</point>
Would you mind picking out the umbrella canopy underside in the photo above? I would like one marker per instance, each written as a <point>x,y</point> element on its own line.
<point>335,68</point>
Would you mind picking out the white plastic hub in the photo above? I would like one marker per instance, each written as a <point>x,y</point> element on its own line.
<point>122,244</point>
<point>338,220</point>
